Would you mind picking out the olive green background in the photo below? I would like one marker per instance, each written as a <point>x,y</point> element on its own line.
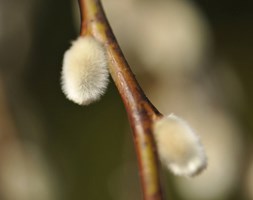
<point>84,145</point>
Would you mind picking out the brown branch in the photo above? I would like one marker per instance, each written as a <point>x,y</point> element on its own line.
<point>141,112</point>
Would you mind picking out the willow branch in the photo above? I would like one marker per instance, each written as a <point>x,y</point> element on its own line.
<point>141,112</point>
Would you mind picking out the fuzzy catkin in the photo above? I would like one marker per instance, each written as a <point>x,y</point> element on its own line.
<point>179,148</point>
<point>85,73</point>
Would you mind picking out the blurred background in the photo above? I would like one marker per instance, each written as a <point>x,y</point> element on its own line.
<point>192,58</point>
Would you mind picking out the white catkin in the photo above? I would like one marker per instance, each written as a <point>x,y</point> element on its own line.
<point>85,73</point>
<point>179,148</point>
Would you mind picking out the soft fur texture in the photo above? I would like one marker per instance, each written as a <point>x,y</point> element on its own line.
<point>179,147</point>
<point>85,72</point>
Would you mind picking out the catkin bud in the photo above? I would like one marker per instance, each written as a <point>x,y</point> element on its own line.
<point>85,72</point>
<point>178,146</point>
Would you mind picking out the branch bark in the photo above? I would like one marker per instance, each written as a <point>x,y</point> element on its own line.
<point>141,112</point>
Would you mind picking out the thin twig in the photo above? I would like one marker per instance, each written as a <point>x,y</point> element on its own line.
<point>141,112</point>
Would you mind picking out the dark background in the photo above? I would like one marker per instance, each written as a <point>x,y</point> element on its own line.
<point>79,152</point>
